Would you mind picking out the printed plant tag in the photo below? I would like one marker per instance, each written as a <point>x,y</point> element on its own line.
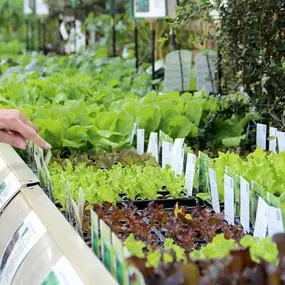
<point>214,190</point>
<point>190,173</point>
<point>244,204</point>
<point>229,199</point>
<point>140,141</point>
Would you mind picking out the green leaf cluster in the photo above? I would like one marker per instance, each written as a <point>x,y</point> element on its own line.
<point>134,182</point>
<point>266,169</point>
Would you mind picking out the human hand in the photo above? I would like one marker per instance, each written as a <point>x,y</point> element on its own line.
<point>16,129</point>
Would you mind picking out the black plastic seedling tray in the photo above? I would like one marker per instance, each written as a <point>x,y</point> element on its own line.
<point>167,203</point>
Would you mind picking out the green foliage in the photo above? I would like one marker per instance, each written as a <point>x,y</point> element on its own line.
<point>135,182</point>
<point>79,102</point>
<point>250,35</point>
<point>260,166</point>
<point>220,247</point>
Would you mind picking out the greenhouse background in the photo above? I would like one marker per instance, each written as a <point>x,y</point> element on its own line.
<point>142,142</point>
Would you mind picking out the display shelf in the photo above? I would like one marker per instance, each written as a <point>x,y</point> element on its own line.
<point>36,239</point>
<point>15,164</point>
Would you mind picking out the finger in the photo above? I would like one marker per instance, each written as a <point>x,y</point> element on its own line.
<point>28,133</point>
<point>28,122</point>
<point>17,114</point>
<point>13,140</point>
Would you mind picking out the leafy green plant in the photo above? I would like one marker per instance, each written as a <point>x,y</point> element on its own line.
<point>135,182</point>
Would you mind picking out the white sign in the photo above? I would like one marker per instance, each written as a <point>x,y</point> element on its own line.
<point>178,160</point>
<point>275,225</point>
<point>140,141</point>
<point>153,145</point>
<point>178,71</point>
<point>261,221</point>
<point>214,190</point>
<point>133,133</point>
<point>149,8</point>
<point>281,141</point>
<point>166,154</point>
<point>261,135</point>
<point>244,204</point>
<point>63,274</point>
<point>23,240</point>
<point>229,199</point>
<point>205,65</point>
<point>8,189</point>
<point>190,173</point>
<point>41,8</point>
<point>273,139</point>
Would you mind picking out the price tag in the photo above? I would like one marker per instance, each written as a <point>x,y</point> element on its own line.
<point>190,173</point>
<point>281,141</point>
<point>178,143</point>
<point>229,199</point>
<point>3,164</point>
<point>140,141</point>
<point>75,210</point>
<point>106,245</point>
<point>81,203</point>
<point>22,241</point>
<point>276,223</point>
<point>244,204</point>
<point>8,189</point>
<point>95,232</point>
<point>261,221</point>
<point>261,135</point>
<point>273,139</point>
<point>133,133</point>
<point>163,137</point>
<point>153,145</point>
<point>166,154</point>
<point>178,161</point>
<point>119,261</point>
<point>214,190</point>
<point>62,274</point>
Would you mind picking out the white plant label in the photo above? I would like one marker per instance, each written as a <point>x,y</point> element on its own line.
<point>273,141</point>
<point>140,141</point>
<point>244,204</point>
<point>190,173</point>
<point>261,221</point>
<point>276,223</point>
<point>23,240</point>
<point>214,190</point>
<point>62,274</point>
<point>8,189</point>
<point>229,199</point>
<point>166,154</point>
<point>281,141</point>
<point>178,143</point>
<point>261,135</point>
<point>153,145</point>
<point>178,161</point>
<point>3,164</point>
<point>133,133</point>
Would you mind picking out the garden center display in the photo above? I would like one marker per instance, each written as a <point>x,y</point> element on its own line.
<point>168,143</point>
